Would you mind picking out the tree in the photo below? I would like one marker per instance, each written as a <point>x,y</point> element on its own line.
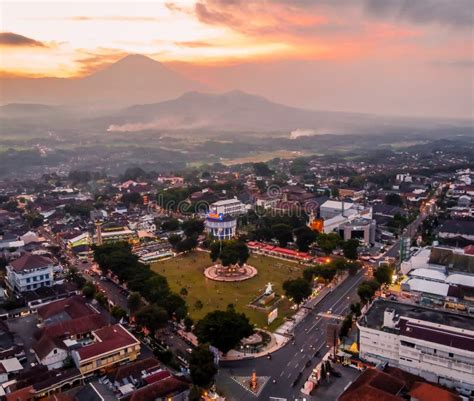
<point>349,248</point>
<point>35,220</point>
<point>262,234</point>
<point>393,199</point>
<point>186,245</point>
<point>88,290</point>
<point>152,317</point>
<point>174,240</point>
<point>223,329</point>
<point>132,198</point>
<point>262,169</point>
<point>230,252</point>
<point>355,309</point>
<point>367,290</point>
<point>384,274</point>
<point>304,238</point>
<point>282,233</point>
<point>188,323</point>
<point>170,225</point>
<point>118,312</point>
<point>298,289</point>
<point>202,366</point>
<point>134,302</point>
<point>346,326</point>
<point>175,306</point>
<point>193,227</point>
<point>328,242</point>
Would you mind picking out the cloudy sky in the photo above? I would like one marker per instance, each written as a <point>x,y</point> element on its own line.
<point>382,56</point>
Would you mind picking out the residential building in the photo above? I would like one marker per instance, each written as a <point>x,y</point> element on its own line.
<point>29,272</point>
<point>112,345</point>
<point>231,207</point>
<point>434,344</point>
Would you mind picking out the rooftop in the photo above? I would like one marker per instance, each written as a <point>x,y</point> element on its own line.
<point>375,315</point>
<point>109,339</point>
<point>29,262</point>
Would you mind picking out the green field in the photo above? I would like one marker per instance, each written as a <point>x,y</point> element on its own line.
<point>187,271</point>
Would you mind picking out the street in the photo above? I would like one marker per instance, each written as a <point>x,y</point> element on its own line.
<point>287,363</point>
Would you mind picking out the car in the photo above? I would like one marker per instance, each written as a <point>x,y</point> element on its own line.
<point>329,312</point>
<point>335,373</point>
<point>308,363</point>
<point>316,354</point>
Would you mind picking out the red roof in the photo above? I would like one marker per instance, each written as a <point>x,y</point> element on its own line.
<point>469,250</point>
<point>79,326</point>
<point>109,338</point>
<point>24,394</point>
<point>429,392</point>
<point>74,306</point>
<point>163,388</point>
<point>29,262</point>
<point>157,376</point>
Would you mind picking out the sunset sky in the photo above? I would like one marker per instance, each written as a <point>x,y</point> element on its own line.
<point>422,42</point>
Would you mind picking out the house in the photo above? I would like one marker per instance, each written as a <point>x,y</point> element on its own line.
<point>50,352</point>
<point>29,272</point>
<point>112,345</point>
<point>393,384</point>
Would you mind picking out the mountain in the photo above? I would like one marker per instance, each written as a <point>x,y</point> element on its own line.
<point>131,80</point>
<point>239,111</point>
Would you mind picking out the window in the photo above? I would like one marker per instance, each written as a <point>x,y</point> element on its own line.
<point>28,279</point>
<point>451,355</point>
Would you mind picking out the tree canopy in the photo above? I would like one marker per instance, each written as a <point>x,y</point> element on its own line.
<point>223,329</point>
<point>298,289</point>
<point>230,252</point>
<point>202,366</point>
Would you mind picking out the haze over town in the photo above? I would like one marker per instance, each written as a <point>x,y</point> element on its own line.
<point>237,200</point>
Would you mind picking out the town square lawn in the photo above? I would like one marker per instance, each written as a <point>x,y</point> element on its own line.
<point>186,271</point>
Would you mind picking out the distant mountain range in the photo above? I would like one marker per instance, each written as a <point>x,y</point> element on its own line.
<point>165,100</point>
<point>239,111</point>
<point>133,79</point>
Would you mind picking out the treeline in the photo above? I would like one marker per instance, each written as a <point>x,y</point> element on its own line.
<point>118,259</point>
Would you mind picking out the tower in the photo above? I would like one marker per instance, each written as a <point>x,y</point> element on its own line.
<point>98,231</point>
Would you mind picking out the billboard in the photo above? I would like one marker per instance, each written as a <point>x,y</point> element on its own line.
<point>272,315</point>
<point>215,216</point>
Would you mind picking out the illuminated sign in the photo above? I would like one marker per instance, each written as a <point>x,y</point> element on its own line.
<point>272,315</point>
<point>215,216</point>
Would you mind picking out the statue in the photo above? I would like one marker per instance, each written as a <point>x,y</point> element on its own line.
<point>269,289</point>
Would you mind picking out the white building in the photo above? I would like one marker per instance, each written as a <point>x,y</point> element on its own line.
<point>231,207</point>
<point>50,352</point>
<point>434,344</point>
<point>29,272</point>
<point>332,208</point>
<point>220,226</point>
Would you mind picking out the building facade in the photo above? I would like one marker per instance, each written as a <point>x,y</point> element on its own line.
<point>29,272</point>
<point>230,207</point>
<point>220,226</point>
<point>434,344</point>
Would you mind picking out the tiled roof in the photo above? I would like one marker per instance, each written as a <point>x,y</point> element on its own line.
<point>29,261</point>
<point>166,387</point>
<point>429,392</point>
<point>133,369</point>
<point>79,326</point>
<point>110,338</point>
<point>74,306</point>
<point>45,345</point>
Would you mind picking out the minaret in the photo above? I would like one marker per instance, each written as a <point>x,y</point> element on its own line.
<point>98,231</point>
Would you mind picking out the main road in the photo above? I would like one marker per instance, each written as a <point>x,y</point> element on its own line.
<point>296,358</point>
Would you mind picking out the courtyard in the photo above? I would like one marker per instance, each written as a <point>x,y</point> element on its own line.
<point>186,271</point>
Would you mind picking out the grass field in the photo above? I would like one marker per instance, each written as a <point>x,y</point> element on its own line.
<point>187,271</point>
